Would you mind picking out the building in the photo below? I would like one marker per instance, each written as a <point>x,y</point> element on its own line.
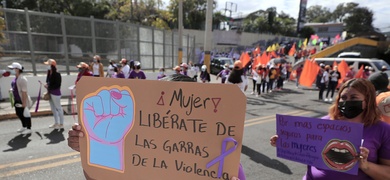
<point>324,30</point>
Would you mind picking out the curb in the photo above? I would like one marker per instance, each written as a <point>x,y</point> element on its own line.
<point>33,114</point>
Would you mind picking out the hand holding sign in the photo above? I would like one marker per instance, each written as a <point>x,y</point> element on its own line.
<point>108,116</point>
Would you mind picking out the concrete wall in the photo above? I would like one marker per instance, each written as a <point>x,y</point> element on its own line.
<point>223,39</point>
<point>67,81</point>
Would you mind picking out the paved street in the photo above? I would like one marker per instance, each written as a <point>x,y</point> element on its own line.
<point>45,154</point>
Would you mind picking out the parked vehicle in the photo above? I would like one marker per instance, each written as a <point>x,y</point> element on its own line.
<point>350,55</point>
<point>218,64</point>
<point>376,64</point>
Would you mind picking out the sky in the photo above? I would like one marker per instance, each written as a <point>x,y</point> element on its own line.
<point>291,7</point>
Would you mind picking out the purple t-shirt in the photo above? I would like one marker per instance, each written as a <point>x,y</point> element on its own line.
<point>15,90</point>
<point>120,75</point>
<point>376,139</point>
<point>135,75</point>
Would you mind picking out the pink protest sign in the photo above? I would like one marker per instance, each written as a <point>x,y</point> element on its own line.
<point>144,129</point>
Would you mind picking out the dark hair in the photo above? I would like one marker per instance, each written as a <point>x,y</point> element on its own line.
<point>53,68</point>
<point>235,76</point>
<point>371,113</point>
<point>178,77</point>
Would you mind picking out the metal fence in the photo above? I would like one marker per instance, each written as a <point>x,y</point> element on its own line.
<point>33,37</point>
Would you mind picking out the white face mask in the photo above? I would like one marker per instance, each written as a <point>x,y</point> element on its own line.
<point>49,67</point>
<point>94,60</point>
<point>13,72</point>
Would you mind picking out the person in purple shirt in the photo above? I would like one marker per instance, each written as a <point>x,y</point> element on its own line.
<point>224,74</point>
<point>161,74</point>
<point>137,73</point>
<point>356,103</point>
<point>53,86</point>
<point>118,72</point>
<point>184,69</point>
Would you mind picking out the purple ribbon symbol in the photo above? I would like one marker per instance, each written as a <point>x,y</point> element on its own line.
<point>224,153</point>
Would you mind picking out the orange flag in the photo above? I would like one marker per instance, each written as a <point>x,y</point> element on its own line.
<point>309,73</point>
<point>359,74</point>
<point>256,51</point>
<point>245,58</point>
<point>292,50</point>
<point>334,64</point>
<point>263,58</point>
<point>343,69</point>
<point>274,54</point>
<point>256,62</point>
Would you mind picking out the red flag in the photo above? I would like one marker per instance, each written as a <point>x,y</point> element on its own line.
<point>292,50</point>
<point>359,74</point>
<point>245,58</point>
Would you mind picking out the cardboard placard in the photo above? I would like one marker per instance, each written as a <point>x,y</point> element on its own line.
<point>325,144</point>
<point>146,129</point>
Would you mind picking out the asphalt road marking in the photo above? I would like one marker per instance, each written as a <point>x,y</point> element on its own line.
<point>249,122</point>
<point>39,167</point>
<point>271,116</point>
<point>274,118</point>
<point>20,163</point>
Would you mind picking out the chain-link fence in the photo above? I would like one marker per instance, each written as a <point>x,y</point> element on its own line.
<point>33,37</point>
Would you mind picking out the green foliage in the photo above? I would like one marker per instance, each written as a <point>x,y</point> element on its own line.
<point>269,21</point>
<point>318,14</point>
<point>306,32</point>
<point>359,21</point>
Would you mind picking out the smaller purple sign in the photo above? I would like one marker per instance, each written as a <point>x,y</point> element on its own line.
<point>325,144</point>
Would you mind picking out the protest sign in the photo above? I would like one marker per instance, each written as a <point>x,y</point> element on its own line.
<point>145,129</point>
<point>325,144</point>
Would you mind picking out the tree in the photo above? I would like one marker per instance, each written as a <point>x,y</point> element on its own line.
<point>306,32</point>
<point>342,10</point>
<point>359,21</point>
<point>194,12</point>
<point>269,21</point>
<point>318,14</point>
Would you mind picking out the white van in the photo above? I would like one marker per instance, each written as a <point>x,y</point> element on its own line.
<point>376,64</point>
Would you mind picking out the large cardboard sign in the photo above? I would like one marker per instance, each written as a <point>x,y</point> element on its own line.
<point>325,144</point>
<point>144,129</point>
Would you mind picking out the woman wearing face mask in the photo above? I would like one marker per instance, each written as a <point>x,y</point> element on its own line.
<point>96,67</point>
<point>83,71</point>
<point>323,82</point>
<point>137,73</point>
<point>22,101</point>
<point>356,103</point>
<point>204,75</point>
<point>223,74</point>
<point>53,86</point>
<point>161,74</point>
<point>237,76</point>
<point>110,69</point>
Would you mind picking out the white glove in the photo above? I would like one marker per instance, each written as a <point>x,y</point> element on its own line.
<point>26,112</point>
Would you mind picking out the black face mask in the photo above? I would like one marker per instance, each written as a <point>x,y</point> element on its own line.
<point>350,109</point>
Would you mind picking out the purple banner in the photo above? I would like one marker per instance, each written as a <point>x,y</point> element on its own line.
<point>325,144</point>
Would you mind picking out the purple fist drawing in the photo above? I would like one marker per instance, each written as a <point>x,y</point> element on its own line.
<point>108,115</point>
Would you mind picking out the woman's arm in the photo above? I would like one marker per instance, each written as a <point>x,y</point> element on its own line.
<point>379,171</point>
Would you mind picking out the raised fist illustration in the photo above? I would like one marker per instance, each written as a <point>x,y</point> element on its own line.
<point>107,115</point>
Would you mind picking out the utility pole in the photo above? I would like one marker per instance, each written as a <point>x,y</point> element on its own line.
<point>180,52</point>
<point>233,8</point>
<point>208,34</point>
